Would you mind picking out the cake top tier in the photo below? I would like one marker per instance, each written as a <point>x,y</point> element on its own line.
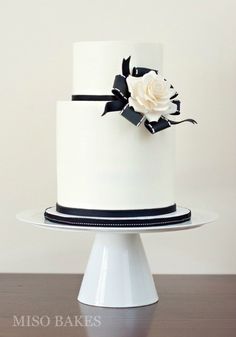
<point>97,62</point>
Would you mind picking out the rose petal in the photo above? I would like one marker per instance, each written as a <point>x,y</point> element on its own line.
<point>172,108</point>
<point>153,116</point>
<point>137,107</point>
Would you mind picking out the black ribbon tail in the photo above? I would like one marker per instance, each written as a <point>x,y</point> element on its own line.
<point>113,106</point>
<point>154,127</point>
<point>132,116</point>
<point>174,96</point>
<point>164,123</point>
<point>126,66</point>
<point>190,120</point>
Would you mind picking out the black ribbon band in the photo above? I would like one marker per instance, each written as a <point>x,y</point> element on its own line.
<point>115,213</point>
<point>93,98</point>
<point>91,222</point>
<point>130,222</point>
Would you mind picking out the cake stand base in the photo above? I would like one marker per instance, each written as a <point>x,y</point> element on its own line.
<point>117,273</point>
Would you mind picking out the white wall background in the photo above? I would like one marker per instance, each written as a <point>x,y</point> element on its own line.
<point>36,70</point>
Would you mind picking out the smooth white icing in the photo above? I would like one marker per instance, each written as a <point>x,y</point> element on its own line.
<point>106,162</point>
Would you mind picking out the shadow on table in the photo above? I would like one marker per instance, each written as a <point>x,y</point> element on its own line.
<point>118,322</point>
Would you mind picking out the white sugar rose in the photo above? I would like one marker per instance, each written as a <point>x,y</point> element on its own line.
<point>150,95</point>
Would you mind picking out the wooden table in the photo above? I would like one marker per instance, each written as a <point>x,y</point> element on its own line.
<point>190,305</point>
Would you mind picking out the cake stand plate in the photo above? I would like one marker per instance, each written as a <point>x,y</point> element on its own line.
<point>117,274</point>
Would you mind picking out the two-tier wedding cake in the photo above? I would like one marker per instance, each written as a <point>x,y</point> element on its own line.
<point>116,139</point>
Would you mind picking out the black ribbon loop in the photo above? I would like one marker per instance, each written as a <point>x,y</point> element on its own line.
<point>154,127</point>
<point>140,71</point>
<point>126,66</point>
<point>177,103</point>
<point>120,88</point>
<point>133,116</point>
<point>122,94</point>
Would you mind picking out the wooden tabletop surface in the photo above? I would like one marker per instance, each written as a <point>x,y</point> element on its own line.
<point>46,305</point>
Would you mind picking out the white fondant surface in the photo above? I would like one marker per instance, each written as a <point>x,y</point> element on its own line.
<point>108,163</point>
<point>96,63</point>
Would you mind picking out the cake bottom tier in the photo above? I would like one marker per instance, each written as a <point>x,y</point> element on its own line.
<point>108,163</point>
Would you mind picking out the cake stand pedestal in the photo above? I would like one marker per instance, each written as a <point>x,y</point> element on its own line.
<point>117,274</point>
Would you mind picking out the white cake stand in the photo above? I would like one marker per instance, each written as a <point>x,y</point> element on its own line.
<point>117,273</point>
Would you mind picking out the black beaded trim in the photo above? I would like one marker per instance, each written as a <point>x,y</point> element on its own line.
<point>95,222</point>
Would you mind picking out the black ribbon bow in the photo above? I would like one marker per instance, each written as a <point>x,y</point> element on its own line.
<point>120,101</point>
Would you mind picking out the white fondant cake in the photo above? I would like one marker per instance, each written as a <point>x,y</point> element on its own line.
<point>115,143</point>
<point>106,162</point>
